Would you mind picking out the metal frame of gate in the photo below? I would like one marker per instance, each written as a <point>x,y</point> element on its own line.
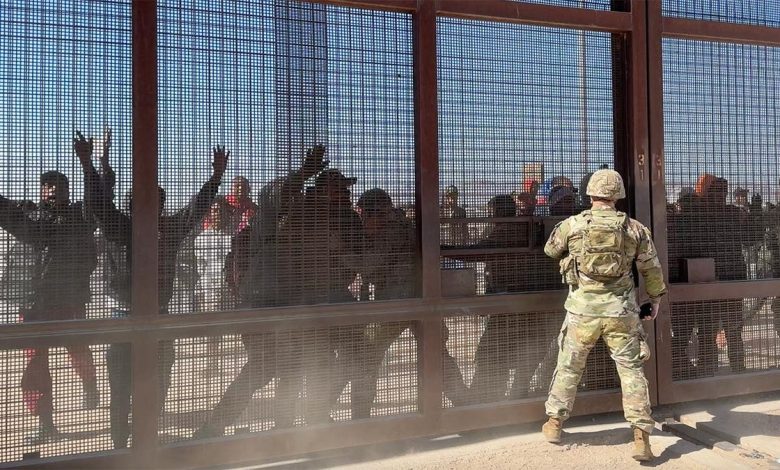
<point>660,27</point>
<point>639,154</point>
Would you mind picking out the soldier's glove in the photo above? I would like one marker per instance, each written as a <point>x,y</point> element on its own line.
<point>646,310</point>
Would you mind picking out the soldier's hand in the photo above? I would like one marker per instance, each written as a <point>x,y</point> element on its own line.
<point>220,161</point>
<point>656,309</point>
<point>314,162</point>
<point>649,311</point>
<point>83,148</point>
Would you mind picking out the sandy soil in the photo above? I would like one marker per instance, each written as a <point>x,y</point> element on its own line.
<point>588,452</point>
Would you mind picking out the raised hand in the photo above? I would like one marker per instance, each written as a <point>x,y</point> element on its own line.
<point>106,146</point>
<point>220,161</point>
<point>83,148</point>
<point>314,162</point>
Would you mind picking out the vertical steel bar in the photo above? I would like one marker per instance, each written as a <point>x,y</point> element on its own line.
<point>427,145</point>
<point>427,189</point>
<point>145,219</point>
<point>654,80</point>
<point>639,145</point>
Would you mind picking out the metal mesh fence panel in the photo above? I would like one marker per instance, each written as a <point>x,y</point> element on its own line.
<point>314,104</point>
<point>511,357</point>
<point>275,380</point>
<point>521,128</point>
<point>64,67</point>
<point>55,401</point>
<point>733,336</point>
<point>729,11</point>
<point>720,124</point>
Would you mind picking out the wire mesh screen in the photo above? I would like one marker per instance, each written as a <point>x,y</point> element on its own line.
<point>732,336</point>
<point>731,11</point>
<point>64,67</point>
<point>56,401</point>
<point>259,382</point>
<point>315,106</point>
<point>525,116</point>
<point>491,358</point>
<point>721,125</point>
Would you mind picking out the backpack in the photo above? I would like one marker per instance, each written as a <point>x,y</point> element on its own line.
<point>603,256</point>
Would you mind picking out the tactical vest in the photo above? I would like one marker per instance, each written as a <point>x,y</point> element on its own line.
<point>602,253</point>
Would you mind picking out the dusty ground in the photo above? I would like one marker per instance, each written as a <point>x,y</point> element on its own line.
<point>601,442</point>
<point>608,449</point>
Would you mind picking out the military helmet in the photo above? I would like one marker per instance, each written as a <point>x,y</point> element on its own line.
<point>606,184</point>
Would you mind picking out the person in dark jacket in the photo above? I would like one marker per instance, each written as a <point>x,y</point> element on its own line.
<point>117,228</point>
<point>256,276</point>
<point>389,266</point>
<point>60,234</point>
<point>510,341</point>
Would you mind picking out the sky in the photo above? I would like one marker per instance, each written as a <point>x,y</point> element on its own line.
<point>270,78</point>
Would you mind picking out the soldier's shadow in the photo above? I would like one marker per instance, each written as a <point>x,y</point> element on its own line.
<point>604,437</point>
<point>613,437</point>
<point>672,452</point>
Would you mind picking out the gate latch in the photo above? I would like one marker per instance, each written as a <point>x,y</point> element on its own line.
<point>640,160</point>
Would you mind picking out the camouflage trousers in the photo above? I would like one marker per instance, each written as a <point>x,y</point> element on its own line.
<point>623,337</point>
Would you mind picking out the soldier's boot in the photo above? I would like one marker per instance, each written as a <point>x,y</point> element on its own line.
<point>642,450</point>
<point>552,430</point>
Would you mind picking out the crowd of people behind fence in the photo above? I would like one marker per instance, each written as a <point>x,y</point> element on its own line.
<point>300,245</point>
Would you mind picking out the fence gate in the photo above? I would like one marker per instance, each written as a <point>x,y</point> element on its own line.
<point>713,119</point>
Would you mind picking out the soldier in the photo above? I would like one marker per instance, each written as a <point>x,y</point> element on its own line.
<point>597,249</point>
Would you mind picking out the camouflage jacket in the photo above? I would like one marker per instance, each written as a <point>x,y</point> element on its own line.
<point>599,298</point>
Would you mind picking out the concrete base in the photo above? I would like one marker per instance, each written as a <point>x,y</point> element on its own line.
<point>752,422</point>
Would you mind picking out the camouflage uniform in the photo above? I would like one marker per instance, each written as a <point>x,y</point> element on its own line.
<point>603,307</point>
